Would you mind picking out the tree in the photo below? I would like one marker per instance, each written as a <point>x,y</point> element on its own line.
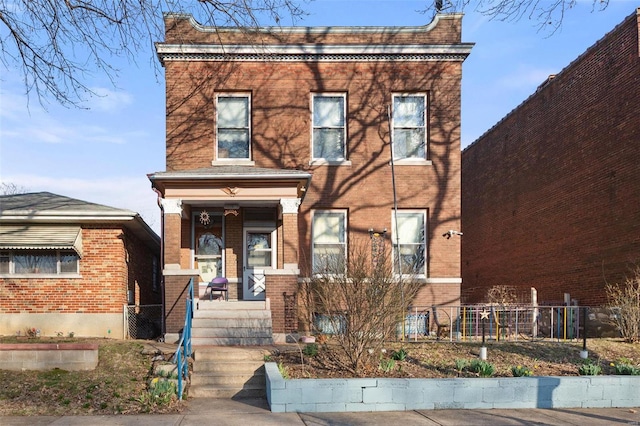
<point>624,302</point>
<point>361,298</point>
<point>57,45</point>
<point>549,15</point>
<point>10,188</point>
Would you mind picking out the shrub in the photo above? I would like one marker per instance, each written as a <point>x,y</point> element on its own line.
<point>589,368</point>
<point>520,371</point>
<point>399,355</point>
<point>461,364</point>
<point>624,367</point>
<point>311,349</point>
<point>386,365</point>
<point>482,368</point>
<point>624,301</point>
<point>283,371</point>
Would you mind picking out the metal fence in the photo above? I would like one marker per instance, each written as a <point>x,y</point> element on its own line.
<point>143,321</point>
<point>508,323</point>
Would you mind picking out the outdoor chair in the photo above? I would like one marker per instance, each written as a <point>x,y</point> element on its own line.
<point>218,284</point>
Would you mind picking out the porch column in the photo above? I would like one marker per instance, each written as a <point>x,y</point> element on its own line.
<point>176,279</point>
<point>290,232</point>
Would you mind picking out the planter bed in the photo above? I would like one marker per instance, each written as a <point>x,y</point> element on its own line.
<point>372,394</point>
<point>46,356</point>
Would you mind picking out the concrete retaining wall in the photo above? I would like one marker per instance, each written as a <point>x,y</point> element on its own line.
<point>335,395</point>
<point>47,356</point>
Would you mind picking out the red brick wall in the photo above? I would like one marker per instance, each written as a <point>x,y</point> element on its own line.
<point>550,194</point>
<point>281,130</point>
<point>102,286</point>
<point>140,272</point>
<point>277,286</point>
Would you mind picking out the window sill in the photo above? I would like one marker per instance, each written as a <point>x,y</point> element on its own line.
<point>233,162</point>
<point>39,276</point>
<point>323,162</point>
<point>412,162</point>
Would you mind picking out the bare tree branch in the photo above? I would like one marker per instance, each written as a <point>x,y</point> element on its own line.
<point>547,14</point>
<point>58,46</point>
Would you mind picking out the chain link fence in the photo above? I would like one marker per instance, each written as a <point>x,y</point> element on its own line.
<point>143,321</point>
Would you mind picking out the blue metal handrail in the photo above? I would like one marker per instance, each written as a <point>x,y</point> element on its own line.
<point>183,352</point>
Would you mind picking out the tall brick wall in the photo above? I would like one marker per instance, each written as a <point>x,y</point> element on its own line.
<point>140,270</point>
<point>551,194</point>
<point>281,132</point>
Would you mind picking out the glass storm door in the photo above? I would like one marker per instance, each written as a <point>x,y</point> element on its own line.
<point>259,253</point>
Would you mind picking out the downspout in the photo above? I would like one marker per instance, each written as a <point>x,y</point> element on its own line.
<point>395,216</point>
<point>161,263</point>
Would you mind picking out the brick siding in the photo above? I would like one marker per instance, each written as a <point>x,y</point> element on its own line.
<point>550,194</point>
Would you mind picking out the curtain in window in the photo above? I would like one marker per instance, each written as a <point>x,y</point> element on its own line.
<point>233,127</point>
<point>328,127</point>
<point>328,241</point>
<point>409,132</point>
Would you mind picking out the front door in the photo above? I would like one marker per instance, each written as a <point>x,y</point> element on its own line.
<point>259,255</point>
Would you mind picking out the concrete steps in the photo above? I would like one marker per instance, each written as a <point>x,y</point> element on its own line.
<point>227,372</point>
<point>236,323</point>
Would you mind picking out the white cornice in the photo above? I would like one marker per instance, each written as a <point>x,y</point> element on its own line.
<point>314,52</point>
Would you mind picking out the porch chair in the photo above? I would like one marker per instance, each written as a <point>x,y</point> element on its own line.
<point>219,284</point>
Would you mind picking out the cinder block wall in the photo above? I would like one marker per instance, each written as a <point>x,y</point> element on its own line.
<point>551,194</point>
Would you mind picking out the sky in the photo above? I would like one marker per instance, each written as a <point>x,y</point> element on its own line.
<point>103,153</point>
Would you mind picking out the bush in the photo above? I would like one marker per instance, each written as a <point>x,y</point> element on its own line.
<point>589,368</point>
<point>521,371</point>
<point>482,368</point>
<point>386,365</point>
<point>624,301</point>
<point>311,349</point>
<point>624,367</point>
<point>399,355</point>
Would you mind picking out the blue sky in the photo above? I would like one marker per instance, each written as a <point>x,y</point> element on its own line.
<point>104,153</point>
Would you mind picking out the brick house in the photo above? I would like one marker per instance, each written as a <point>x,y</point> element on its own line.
<point>67,265</point>
<point>278,154</point>
<point>551,194</point>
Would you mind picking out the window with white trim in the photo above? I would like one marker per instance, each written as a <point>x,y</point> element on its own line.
<point>39,262</point>
<point>329,241</point>
<point>409,244</point>
<point>409,119</point>
<point>329,132</point>
<point>233,126</point>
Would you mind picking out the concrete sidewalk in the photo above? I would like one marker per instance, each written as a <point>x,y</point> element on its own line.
<point>222,412</point>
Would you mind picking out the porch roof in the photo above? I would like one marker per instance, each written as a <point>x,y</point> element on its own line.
<point>231,176</point>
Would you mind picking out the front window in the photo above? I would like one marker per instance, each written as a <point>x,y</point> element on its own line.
<point>328,127</point>
<point>39,262</point>
<point>329,241</point>
<point>409,126</point>
<point>233,131</point>
<point>409,243</point>
<point>209,245</point>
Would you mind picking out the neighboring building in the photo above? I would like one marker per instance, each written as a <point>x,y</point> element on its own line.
<point>278,155</point>
<point>69,266</point>
<point>551,194</point>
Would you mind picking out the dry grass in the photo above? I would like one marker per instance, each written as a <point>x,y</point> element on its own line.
<point>438,359</point>
<point>118,385</point>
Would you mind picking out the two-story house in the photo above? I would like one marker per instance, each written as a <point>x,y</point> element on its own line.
<point>284,144</point>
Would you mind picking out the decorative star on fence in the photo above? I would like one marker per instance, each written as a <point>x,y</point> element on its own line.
<point>484,315</point>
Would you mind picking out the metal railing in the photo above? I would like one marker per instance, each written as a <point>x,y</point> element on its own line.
<point>183,352</point>
<point>495,322</point>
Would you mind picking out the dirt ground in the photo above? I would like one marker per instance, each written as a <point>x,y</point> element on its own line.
<point>435,359</point>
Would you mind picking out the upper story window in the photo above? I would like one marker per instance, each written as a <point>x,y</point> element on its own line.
<point>329,133</point>
<point>39,262</point>
<point>410,242</point>
<point>409,126</point>
<point>329,241</point>
<point>233,126</point>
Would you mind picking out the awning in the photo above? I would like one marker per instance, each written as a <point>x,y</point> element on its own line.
<point>41,237</point>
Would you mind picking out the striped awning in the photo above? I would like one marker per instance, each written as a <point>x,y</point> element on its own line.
<point>41,237</point>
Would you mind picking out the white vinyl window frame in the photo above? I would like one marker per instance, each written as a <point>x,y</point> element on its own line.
<point>409,238</point>
<point>233,127</point>
<point>39,263</point>
<point>328,241</point>
<point>328,120</point>
<point>410,127</point>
